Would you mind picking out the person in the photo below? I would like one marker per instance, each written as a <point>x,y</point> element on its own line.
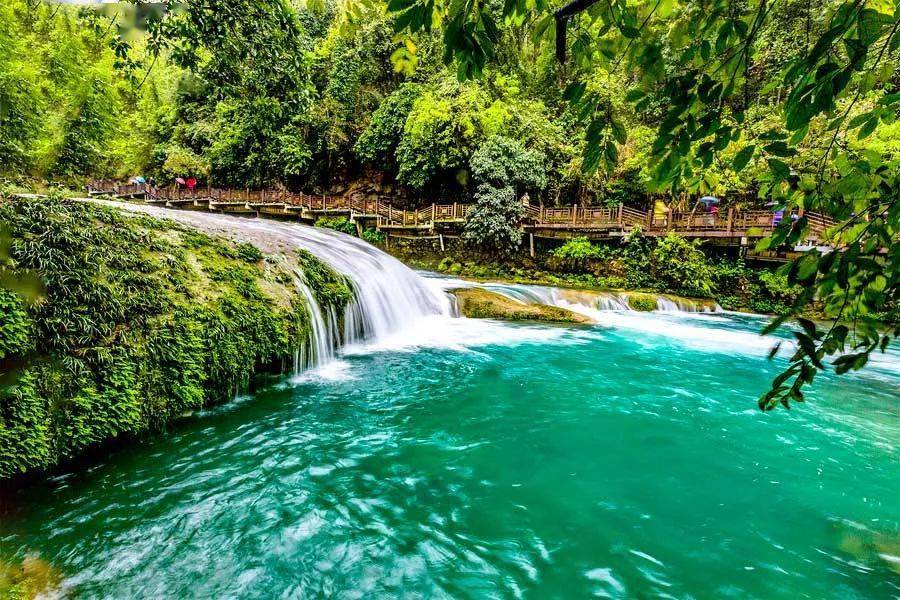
<point>526,200</point>
<point>714,210</point>
<point>191,183</point>
<point>777,217</point>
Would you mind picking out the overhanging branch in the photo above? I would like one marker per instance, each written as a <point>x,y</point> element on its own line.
<point>562,19</point>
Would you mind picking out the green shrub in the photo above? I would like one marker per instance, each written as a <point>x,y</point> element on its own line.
<point>730,302</point>
<point>342,224</point>
<point>758,303</point>
<point>775,284</point>
<point>493,223</point>
<point>330,287</point>
<point>15,325</point>
<point>576,253</point>
<point>642,302</point>
<point>247,252</point>
<point>373,236</point>
<point>681,267</point>
<point>445,264</point>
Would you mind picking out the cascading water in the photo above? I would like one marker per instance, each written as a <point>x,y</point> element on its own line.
<point>388,296</point>
<point>666,304</point>
<point>583,301</point>
<point>319,349</point>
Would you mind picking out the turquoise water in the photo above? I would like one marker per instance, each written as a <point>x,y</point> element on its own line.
<point>475,460</point>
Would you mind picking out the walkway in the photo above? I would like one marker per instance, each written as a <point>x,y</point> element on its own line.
<point>733,227</point>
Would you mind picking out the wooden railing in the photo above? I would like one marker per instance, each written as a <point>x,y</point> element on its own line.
<point>116,188</point>
<point>621,218</point>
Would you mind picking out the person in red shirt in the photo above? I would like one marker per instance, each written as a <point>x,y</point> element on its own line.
<point>191,183</point>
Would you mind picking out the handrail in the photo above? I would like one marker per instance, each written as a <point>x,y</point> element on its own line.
<point>733,223</point>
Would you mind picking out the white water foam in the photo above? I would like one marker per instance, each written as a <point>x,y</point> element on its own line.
<point>461,334</point>
<point>690,323</point>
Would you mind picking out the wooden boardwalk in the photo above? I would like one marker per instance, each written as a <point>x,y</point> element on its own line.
<point>731,227</point>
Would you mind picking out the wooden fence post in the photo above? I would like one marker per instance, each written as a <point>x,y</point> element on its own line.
<point>730,219</point>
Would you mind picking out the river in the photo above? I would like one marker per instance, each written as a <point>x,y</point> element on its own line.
<point>455,458</point>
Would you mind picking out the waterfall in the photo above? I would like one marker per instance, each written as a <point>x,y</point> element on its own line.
<point>319,349</point>
<point>388,296</point>
<point>668,304</point>
<point>580,300</point>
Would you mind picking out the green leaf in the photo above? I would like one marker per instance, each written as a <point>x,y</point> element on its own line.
<point>779,169</point>
<point>809,327</point>
<point>779,149</point>
<point>742,158</point>
<point>869,25</point>
<point>574,91</point>
<point>630,31</point>
<point>867,129</point>
<point>618,131</point>
<point>634,94</point>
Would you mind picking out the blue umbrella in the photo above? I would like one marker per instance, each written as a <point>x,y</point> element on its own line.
<point>138,179</point>
<point>709,200</point>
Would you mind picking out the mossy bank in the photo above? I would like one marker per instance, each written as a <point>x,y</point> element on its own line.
<point>115,324</point>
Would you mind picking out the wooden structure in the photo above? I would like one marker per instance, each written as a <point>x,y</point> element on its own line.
<point>732,227</point>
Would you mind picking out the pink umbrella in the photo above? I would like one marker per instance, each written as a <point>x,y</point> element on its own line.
<point>179,180</point>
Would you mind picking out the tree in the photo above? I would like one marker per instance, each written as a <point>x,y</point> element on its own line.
<point>89,127</point>
<point>502,161</point>
<point>20,103</point>
<point>493,221</point>
<point>378,143</point>
<point>698,61</point>
<point>680,265</point>
<point>244,105</point>
<point>502,168</point>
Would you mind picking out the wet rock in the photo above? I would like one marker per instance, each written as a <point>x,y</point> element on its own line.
<point>477,303</point>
